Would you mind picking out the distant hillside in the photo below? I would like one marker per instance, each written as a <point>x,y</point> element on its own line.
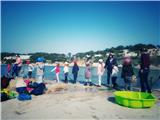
<point>94,55</point>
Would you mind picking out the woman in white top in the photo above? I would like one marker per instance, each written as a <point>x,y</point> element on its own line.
<point>100,71</point>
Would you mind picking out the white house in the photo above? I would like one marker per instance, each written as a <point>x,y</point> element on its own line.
<point>25,57</point>
<point>127,53</point>
<point>97,55</point>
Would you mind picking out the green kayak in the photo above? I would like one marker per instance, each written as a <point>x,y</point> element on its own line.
<point>135,99</point>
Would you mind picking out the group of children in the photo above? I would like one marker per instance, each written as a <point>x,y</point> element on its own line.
<point>75,70</point>
<point>110,66</point>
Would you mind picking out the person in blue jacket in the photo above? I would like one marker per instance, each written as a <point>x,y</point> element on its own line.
<point>75,70</point>
<point>110,62</point>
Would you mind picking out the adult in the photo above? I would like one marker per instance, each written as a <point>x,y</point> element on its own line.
<point>127,72</point>
<point>109,65</point>
<point>75,70</point>
<point>144,70</point>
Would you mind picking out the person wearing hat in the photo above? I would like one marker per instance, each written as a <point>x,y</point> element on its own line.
<point>109,66</point>
<point>39,71</point>
<point>66,71</point>
<point>144,70</point>
<point>75,70</point>
<point>100,71</point>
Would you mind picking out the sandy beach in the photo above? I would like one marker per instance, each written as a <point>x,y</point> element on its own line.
<point>68,101</point>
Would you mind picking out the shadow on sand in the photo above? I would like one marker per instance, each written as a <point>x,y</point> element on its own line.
<point>112,100</point>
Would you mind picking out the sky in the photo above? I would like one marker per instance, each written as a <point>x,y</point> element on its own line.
<point>63,27</point>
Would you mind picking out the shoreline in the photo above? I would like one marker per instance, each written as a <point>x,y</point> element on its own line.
<point>152,67</point>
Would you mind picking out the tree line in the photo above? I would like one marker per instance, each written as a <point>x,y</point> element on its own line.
<point>53,57</point>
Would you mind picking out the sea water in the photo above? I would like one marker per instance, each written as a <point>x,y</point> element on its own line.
<point>48,75</point>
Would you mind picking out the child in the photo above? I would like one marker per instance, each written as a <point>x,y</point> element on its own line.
<point>127,72</point>
<point>39,72</point>
<point>114,75</point>
<point>66,71</point>
<point>100,71</point>
<point>30,69</point>
<point>88,74</point>
<point>9,70</point>
<point>75,70</point>
<point>57,71</point>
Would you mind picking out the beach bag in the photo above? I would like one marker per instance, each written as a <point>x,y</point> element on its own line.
<point>133,79</point>
<point>24,96</point>
<point>39,90</point>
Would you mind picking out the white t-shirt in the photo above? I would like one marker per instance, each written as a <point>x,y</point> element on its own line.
<point>66,69</point>
<point>100,69</point>
<point>40,69</point>
<point>115,71</point>
<point>30,67</point>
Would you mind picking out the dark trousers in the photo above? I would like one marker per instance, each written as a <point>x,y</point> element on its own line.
<point>127,81</point>
<point>75,77</point>
<point>114,78</point>
<point>30,74</point>
<point>66,77</point>
<point>144,81</point>
<point>16,71</point>
<point>108,76</point>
